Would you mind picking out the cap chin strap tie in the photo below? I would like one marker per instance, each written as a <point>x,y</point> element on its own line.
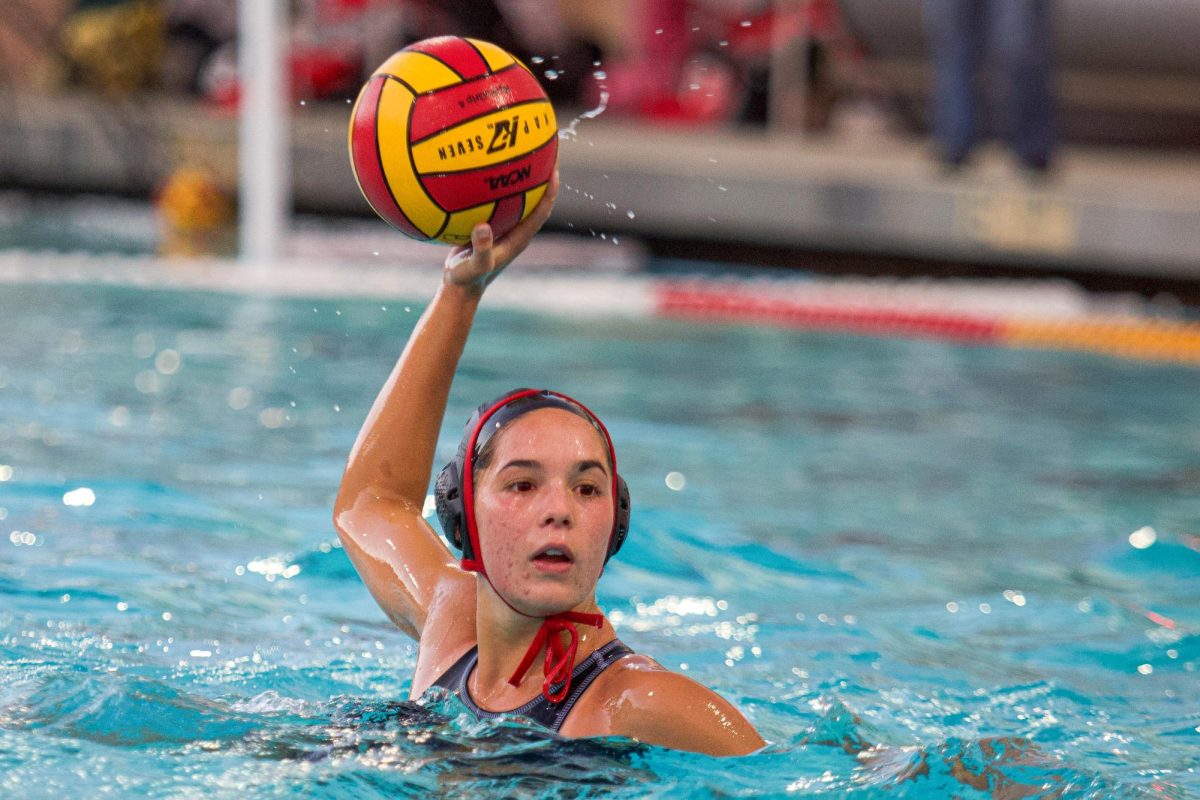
<point>560,658</point>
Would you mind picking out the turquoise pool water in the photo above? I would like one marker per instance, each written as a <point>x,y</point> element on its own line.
<point>920,569</point>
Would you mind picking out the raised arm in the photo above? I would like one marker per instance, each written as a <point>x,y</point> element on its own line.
<point>377,513</point>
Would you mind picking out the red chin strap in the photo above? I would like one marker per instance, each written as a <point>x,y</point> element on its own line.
<point>560,658</point>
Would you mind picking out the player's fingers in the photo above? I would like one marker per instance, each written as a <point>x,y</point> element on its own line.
<point>513,243</point>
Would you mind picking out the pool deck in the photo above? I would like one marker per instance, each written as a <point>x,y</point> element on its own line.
<point>864,190</point>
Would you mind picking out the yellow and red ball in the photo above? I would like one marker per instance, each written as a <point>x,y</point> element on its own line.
<point>450,132</point>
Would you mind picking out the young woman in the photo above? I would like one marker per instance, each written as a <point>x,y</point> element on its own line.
<point>534,501</point>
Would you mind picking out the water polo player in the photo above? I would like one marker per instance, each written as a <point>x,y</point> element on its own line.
<point>535,504</point>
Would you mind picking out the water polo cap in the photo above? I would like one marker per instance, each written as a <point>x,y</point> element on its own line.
<point>455,500</point>
<point>454,488</point>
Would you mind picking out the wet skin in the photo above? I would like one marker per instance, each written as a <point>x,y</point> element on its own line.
<point>545,512</point>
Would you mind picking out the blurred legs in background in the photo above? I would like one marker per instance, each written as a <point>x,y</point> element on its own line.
<point>1014,38</point>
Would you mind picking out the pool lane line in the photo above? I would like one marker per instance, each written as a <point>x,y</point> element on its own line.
<point>1048,316</point>
<point>1143,339</point>
<point>1146,340</point>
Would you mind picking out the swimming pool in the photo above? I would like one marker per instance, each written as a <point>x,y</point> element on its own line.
<point>860,541</point>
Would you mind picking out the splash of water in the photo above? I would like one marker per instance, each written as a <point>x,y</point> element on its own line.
<point>570,133</point>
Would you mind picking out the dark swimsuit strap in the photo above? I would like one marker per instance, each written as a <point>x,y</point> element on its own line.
<point>539,709</point>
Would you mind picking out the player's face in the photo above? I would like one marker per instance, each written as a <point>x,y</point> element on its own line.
<point>544,510</point>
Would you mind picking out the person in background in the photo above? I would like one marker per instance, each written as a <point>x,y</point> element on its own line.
<point>1017,38</point>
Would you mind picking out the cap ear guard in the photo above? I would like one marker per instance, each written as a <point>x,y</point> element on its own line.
<point>621,526</point>
<point>447,495</point>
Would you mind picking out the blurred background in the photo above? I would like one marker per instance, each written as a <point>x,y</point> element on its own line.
<point>941,137</point>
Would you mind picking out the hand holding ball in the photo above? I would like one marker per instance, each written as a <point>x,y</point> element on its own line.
<point>451,132</point>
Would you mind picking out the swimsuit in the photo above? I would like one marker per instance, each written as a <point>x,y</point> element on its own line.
<point>539,709</point>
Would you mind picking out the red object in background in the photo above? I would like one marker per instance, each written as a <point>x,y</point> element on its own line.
<point>320,74</point>
<point>314,74</point>
<point>693,60</point>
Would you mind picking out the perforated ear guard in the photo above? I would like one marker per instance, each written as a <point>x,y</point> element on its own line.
<point>447,495</point>
<point>448,488</point>
<point>621,529</point>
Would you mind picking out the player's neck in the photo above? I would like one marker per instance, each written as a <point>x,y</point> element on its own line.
<point>504,637</point>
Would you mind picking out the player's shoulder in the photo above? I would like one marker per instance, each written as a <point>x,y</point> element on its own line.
<point>640,679</point>
<point>639,698</point>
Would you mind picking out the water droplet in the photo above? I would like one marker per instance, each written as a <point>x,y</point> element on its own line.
<point>745,23</point>
<point>537,60</point>
<point>301,102</point>
<point>167,362</point>
<point>658,31</point>
<point>630,214</point>
<point>82,496</point>
<point>551,74</point>
<point>600,75</point>
<point>1143,537</point>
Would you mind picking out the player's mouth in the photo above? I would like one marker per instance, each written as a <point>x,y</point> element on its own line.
<point>557,558</point>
